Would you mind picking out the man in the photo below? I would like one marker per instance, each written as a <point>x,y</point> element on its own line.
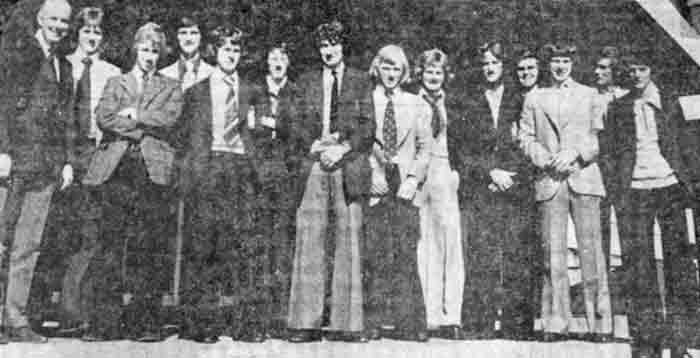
<point>270,134</point>
<point>330,139</point>
<point>36,148</point>
<point>647,178</point>
<point>496,205</point>
<point>133,168</point>
<point>527,71</point>
<point>190,68</point>
<point>440,260</point>
<point>399,162</point>
<point>558,132</point>
<point>77,227</point>
<point>225,292</point>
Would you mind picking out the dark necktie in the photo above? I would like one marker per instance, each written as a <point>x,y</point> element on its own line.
<point>83,97</point>
<point>231,107</point>
<point>49,67</point>
<point>436,121</point>
<point>333,121</point>
<point>389,130</point>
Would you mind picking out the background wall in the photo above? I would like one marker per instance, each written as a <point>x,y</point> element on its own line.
<point>457,26</point>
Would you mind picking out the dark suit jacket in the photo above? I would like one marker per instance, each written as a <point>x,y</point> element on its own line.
<point>158,109</point>
<point>356,124</point>
<point>197,114</point>
<point>37,126</point>
<point>618,143</point>
<point>476,148</point>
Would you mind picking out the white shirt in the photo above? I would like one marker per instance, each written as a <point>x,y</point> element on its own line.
<point>204,70</point>
<point>438,146</point>
<point>100,72</point>
<point>494,98</point>
<point>219,94</point>
<point>138,74</point>
<point>327,86</point>
<point>46,47</point>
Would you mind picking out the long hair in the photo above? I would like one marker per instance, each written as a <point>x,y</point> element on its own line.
<point>433,57</point>
<point>391,54</point>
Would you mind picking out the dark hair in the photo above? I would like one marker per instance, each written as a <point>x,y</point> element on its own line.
<point>495,48</point>
<point>525,54</point>
<point>333,32</point>
<point>87,16</point>
<point>218,37</point>
<point>183,22</point>
<point>559,50</point>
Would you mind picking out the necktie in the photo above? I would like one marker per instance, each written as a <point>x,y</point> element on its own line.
<point>333,121</point>
<point>274,103</point>
<point>436,121</point>
<point>83,98</point>
<point>187,74</point>
<point>389,130</point>
<point>231,107</point>
<point>50,68</point>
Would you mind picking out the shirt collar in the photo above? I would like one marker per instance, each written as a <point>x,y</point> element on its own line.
<point>568,83</point>
<point>219,75</point>
<point>45,46</point>
<point>338,70</point>
<point>273,86</point>
<point>651,95</point>
<point>80,54</point>
<point>138,73</point>
<point>195,61</point>
<point>440,94</point>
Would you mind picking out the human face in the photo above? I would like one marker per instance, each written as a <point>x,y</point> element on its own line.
<point>189,39</point>
<point>527,72</point>
<point>277,63</point>
<point>53,21</point>
<point>433,78</point>
<point>331,53</point>
<point>603,72</point>
<point>560,67</point>
<point>90,38</point>
<point>228,56</point>
<point>147,54</point>
<point>492,67</point>
<point>640,75</point>
<point>390,74</point>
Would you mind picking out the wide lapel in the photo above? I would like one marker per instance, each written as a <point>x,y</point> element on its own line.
<point>403,116</point>
<point>551,110</point>
<point>317,93</point>
<point>130,86</point>
<point>152,89</point>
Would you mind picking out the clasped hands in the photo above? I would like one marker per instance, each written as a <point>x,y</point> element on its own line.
<point>330,150</point>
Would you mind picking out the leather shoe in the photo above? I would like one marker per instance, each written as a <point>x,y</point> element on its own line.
<point>453,332</point>
<point>255,336</point>
<point>345,336</point>
<point>201,335</point>
<point>304,335</point>
<point>4,339</point>
<point>149,337</point>
<point>26,335</point>
<point>374,334</point>
<point>412,335</point>
<point>554,337</point>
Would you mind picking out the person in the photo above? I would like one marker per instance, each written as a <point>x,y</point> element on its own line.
<point>133,168</point>
<point>496,205</point>
<point>559,129</point>
<point>646,176</point>
<point>37,135</point>
<point>527,71</point>
<point>440,261</point>
<point>330,140</point>
<point>399,163</point>
<point>189,68</point>
<point>224,257</point>
<point>74,230</point>
<point>270,134</point>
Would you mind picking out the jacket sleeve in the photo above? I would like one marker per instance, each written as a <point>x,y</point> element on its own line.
<point>419,166</point>
<point>534,150</point>
<point>165,115</point>
<point>107,117</point>
<point>589,148</point>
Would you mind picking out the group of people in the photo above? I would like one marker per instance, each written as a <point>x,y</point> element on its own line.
<point>382,203</point>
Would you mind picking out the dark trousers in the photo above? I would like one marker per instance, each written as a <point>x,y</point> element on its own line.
<point>500,266</point>
<point>275,222</point>
<point>225,257</point>
<point>393,293</point>
<point>133,259</point>
<point>637,211</point>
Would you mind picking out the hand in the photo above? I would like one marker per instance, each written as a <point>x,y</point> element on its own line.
<point>493,188</point>
<point>67,176</point>
<point>268,122</point>
<point>5,165</point>
<point>564,159</point>
<point>379,184</point>
<point>503,179</point>
<point>128,112</point>
<point>333,154</point>
<point>408,188</point>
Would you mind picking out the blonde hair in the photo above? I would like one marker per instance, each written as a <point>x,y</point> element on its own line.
<point>433,57</point>
<point>151,32</point>
<point>391,54</point>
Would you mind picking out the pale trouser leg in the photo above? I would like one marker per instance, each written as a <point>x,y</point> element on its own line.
<point>346,295</point>
<point>440,260</point>
<point>309,271</point>
<point>556,305</point>
<point>24,253</point>
<point>586,214</point>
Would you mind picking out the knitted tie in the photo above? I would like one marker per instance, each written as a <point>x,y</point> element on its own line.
<point>83,97</point>
<point>333,119</point>
<point>231,107</point>
<point>436,121</point>
<point>389,130</point>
